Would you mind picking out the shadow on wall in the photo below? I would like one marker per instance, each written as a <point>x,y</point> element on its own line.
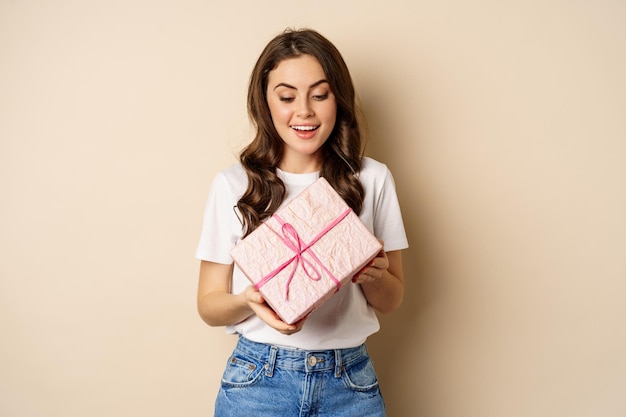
<point>398,349</point>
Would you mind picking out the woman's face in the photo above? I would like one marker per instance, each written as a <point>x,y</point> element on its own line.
<point>303,109</point>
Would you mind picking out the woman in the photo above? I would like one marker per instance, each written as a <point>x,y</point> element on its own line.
<point>302,102</point>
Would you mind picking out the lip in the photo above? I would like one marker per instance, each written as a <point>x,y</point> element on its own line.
<point>305,134</point>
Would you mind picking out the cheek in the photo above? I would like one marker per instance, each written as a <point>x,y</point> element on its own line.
<point>330,111</point>
<point>330,115</point>
<point>278,113</point>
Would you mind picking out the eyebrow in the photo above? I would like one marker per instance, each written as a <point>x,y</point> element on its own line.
<point>315,84</point>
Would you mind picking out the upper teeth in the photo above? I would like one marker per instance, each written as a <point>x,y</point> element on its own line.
<point>304,127</point>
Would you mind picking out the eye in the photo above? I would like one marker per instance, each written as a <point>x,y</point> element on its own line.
<point>320,97</point>
<point>286,99</point>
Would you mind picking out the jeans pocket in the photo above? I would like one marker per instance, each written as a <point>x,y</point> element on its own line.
<point>360,375</point>
<point>241,372</point>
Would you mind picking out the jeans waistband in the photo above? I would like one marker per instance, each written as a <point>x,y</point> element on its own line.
<point>299,359</point>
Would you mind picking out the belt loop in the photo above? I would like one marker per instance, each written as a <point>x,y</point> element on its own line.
<point>338,364</point>
<point>271,362</point>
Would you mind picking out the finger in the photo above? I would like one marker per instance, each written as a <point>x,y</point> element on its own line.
<point>380,261</point>
<point>363,277</point>
<point>356,276</point>
<point>291,330</point>
<point>271,318</point>
<point>298,326</point>
<point>253,295</point>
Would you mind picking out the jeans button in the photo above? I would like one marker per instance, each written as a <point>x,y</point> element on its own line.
<point>312,360</point>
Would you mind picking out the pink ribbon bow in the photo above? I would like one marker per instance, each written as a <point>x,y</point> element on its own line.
<point>292,240</point>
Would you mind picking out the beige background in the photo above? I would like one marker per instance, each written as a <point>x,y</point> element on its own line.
<point>504,123</point>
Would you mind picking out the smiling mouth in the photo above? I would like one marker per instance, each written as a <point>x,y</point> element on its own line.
<point>304,128</point>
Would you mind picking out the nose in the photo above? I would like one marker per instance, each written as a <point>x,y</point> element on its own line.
<point>305,109</point>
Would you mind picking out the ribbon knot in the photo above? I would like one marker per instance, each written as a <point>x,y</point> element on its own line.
<point>290,237</point>
<point>292,240</point>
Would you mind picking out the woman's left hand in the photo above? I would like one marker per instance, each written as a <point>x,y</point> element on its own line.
<point>374,270</point>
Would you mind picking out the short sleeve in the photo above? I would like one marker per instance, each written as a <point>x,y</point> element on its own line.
<point>388,223</point>
<point>221,227</point>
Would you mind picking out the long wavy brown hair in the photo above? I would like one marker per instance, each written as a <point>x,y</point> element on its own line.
<point>341,154</point>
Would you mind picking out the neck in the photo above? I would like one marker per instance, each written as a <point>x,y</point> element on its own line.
<point>301,167</point>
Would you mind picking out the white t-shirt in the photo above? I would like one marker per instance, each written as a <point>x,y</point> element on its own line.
<point>346,319</point>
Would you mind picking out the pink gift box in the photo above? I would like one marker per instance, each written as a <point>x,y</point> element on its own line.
<point>302,255</point>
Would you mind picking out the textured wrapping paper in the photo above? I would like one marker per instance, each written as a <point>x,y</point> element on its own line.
<point>301,256</point>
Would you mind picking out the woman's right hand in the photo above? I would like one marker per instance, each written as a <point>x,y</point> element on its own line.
<point>257,304</point>
<point>218,307</point>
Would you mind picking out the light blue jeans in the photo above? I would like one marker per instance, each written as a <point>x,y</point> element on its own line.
<point>265,380</point>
